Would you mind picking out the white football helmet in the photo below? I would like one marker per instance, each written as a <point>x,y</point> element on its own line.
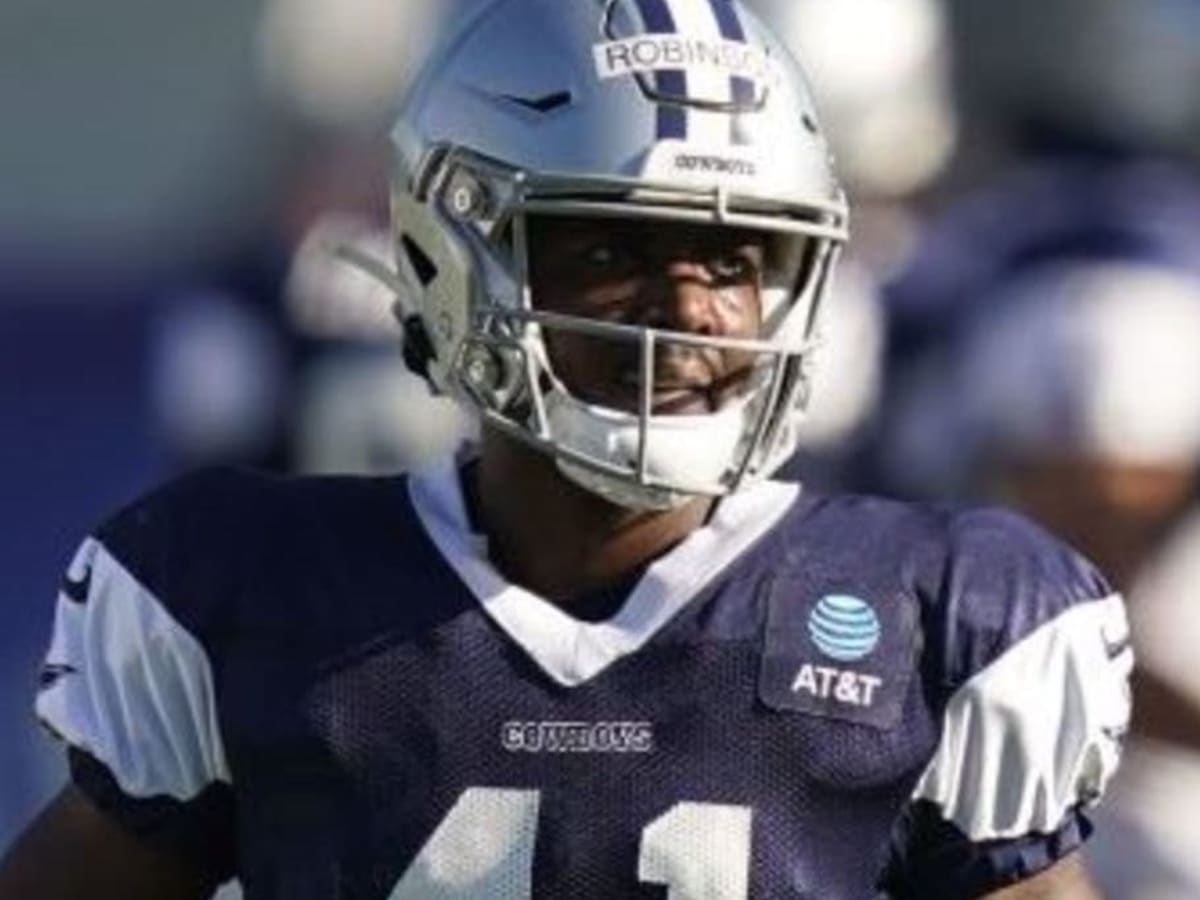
<point>676,110</point>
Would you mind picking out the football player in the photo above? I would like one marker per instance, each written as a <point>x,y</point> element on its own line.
<point>603,656</point>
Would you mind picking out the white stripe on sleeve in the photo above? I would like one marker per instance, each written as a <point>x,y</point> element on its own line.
<point>1039,730</point>
<point>131,686</point>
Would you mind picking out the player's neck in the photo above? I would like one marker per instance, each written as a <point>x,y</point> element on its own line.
<point>557,539</point>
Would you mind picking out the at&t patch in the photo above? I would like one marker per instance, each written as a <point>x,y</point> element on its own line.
<point>838,653</point>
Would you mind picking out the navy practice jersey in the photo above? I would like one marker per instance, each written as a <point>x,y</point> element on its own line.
<point>322,687</point>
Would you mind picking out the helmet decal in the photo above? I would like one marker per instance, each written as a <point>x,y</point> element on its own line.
<point>688,57</point>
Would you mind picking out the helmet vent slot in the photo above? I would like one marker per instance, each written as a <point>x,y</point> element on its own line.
<point>422,265</point>
<point>545,104</point>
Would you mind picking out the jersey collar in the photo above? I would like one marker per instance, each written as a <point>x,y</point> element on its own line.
<point>571,651</point>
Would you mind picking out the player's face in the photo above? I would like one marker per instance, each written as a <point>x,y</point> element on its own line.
<point>698,279</point>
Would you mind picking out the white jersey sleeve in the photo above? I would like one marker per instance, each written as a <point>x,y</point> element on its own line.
<point>1026,664</point>
<point>128,685</point>
<point>1037,732</point>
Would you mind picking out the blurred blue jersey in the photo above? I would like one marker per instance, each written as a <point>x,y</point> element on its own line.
<point>324,688</point>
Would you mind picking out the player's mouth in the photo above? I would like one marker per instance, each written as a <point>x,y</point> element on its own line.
<point>683,401</point>
<point>669,398</point>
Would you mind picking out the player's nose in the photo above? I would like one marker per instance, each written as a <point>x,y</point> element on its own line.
<point>683,297</point>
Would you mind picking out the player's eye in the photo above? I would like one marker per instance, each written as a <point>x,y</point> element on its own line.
<point>607,258</point>
<point>600,256</point>
<point>740,265</point>
<point>606,255</point>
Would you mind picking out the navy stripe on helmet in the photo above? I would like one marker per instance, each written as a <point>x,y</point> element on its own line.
<point>744,93</point>
<point>672,119</point>
<point>742,89</point>
<point>728,21</point>
<point>656,16</point>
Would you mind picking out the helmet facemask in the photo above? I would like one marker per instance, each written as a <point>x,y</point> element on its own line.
<point>466,234</point>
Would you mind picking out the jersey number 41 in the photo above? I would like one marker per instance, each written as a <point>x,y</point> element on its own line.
<point>484,848</point>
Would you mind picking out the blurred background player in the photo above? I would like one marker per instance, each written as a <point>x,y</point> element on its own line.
<point>1146,848</point>
<point>1074,395</point>
<point>156,310</point>
<point>1041,347</point>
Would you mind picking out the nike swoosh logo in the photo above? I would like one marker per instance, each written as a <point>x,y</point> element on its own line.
<point>1118,648</point>
<point>77,590</point>
<point>1116,735</point>
<point>545,104</point>
<point>52,673</point>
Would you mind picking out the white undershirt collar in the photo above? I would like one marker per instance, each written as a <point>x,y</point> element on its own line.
<point>569,650</point>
